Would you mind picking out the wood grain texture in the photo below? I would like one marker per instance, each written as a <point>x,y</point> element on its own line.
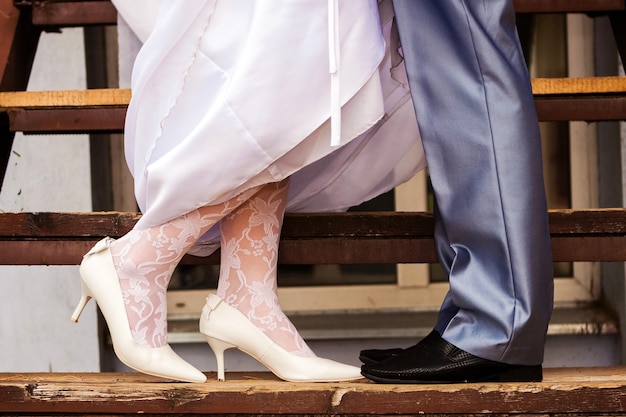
<point>121,97</point>
<point>65,98</point>
<point>59,14</point>
<point>587,85</point>
<point>568,391</point>
<point>104,110</point>
<point>316,238</point>
<point>414,225</point>
<point>73,13</point>
<point>568,6</point>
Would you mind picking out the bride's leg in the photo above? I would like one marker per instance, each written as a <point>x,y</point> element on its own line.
<point>145,259</point>
<point>250,237</point>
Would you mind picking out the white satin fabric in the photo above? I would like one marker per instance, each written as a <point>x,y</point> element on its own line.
<point>232,94</point>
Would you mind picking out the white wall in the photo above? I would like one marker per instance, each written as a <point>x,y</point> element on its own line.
<point>48,173</point>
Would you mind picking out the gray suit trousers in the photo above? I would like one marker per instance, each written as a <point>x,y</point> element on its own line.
<point>475,109</point>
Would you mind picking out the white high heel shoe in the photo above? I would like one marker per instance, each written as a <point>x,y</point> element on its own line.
<point>226,327</point>
<point>99,280</point>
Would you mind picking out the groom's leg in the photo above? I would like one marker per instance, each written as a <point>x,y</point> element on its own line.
<point>476,114</point>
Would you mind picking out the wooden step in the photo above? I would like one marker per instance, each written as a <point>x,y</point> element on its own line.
<point>120,97</point>
<point>335,238</point>
<point>49,14</point>
<point>586,99</point>
<point>564,392</point>
<point>56,14</point>
<point>104,110</point>
<point>75,111</point>
<point>568,6</point>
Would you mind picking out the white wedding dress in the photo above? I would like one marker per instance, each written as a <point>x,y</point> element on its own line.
<point>232,94</point>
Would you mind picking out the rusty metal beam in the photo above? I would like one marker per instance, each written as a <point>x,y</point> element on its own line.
<point>18,44</point>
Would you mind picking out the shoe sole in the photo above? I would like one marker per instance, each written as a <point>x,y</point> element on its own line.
<point>533,374</point>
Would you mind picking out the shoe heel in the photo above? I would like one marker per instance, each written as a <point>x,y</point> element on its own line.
<point>84,299</point>
<point>219,347</point>
<point>522,374</point>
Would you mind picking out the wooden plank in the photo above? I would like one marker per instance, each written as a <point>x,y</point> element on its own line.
<point>299,226</point>
<point>580,108</point>
<point>598,222</point>
<point>65,98</point>
<point>71,121</point>
<point>564,391</point>
<point>111,119</point>
<point>567,6</point>
<point>338,238</point>
<point>583,85</point>
<point>73,13</point>
<point>319,251</point>
<point>104,110</point>
<point>121,97</point>
<point>66,111</point>
<point>414,225</point>
<point>79,13</point>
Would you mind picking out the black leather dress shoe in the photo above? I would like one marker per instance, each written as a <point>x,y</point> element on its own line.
<point>371,356</point>
<point>435,361</point>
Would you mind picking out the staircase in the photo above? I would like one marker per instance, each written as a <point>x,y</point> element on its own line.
<point>340,238</point>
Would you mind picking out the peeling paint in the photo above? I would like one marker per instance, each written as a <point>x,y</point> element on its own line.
<point>338,396</point>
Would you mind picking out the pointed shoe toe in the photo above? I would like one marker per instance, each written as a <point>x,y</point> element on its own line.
<point>295,368</point>
<point>161,361</point>
<point>226,327</point>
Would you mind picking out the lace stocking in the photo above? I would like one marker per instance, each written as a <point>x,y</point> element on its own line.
<point>250,236</point>
<point>145,259</point>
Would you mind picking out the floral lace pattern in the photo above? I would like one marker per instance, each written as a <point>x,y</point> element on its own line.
<point>251,223</point>
<point>248,282</point>
<point>145,260</point>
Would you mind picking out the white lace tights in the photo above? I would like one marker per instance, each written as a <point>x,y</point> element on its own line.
<point>250,236</point>
<point>251,223</point>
